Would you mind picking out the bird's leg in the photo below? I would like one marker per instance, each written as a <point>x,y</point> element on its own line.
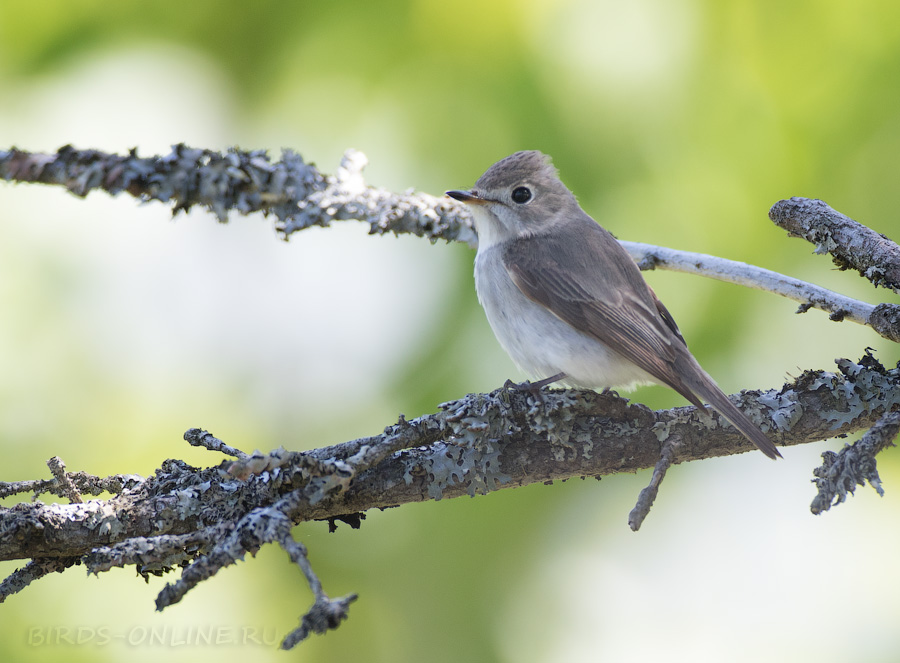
<point>540,384</point>
<point>534,388</point>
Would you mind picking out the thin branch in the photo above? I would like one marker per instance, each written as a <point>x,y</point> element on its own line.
<point>36,569</point>
<point>809,295</point>
<point>325,613</point>
<point>85,484</point>
<point>200,438</point>
<point>66,485</point>
<point>300,196</point>
<point>648,494</point>
<point>851,244</point>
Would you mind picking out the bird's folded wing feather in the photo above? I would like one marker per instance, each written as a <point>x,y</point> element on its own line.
<point>592,284</point>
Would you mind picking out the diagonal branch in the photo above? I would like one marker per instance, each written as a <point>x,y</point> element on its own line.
<point>884,318</point>
<point>851,244</point>
<point>36,569</point>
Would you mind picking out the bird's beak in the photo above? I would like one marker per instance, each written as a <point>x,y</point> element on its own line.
<point>469,197</point>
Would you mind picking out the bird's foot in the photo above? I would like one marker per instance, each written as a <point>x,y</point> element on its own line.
<point>534,388</point>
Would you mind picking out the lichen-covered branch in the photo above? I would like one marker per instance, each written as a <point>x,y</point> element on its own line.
<point>85,484</point>
<point>36,569</point>
<point>299,196</point>
<point>203,520</point>
<point>477,444</point>
<point>851,244</point>
<point>854,465</point>
<point>201,438</point>
<point>295,192</point>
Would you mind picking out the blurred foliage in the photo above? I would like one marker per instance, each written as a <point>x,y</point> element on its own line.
<point>676,123</point>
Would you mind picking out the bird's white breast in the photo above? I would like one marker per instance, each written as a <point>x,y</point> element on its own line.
<point>540,343</point>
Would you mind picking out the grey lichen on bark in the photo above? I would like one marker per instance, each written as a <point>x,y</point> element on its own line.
<point>298,195</point>
<point>854,465</point>
<point>851,244</point>
<point>295,192</point>
<point>490,441</point>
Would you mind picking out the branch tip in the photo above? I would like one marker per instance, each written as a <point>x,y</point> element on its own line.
<point>854,465</point>
<point>851,244</point>
<point>197,437</point>
<point>648,495</point>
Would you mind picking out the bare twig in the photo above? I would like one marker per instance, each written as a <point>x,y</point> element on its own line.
<point>325,613</point>
<point>851,244</point>
<point>648,494</point>
<point>66,486</point>
<point>885,318</point>
<point>201,438</point>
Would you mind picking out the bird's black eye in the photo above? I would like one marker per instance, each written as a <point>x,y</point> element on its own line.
<point>521,195</point>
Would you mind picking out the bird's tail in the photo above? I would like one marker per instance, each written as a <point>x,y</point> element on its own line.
<point>702,386</point>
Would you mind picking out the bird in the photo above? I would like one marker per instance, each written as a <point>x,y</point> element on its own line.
<point>565,299</point>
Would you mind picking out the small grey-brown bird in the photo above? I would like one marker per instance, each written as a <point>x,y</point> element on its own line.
<point>567,302</point>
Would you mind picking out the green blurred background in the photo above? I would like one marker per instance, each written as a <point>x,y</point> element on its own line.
<point>676,122</point>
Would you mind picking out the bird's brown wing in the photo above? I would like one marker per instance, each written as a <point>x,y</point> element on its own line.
<point>590,282</point>
<point>585,278</point>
